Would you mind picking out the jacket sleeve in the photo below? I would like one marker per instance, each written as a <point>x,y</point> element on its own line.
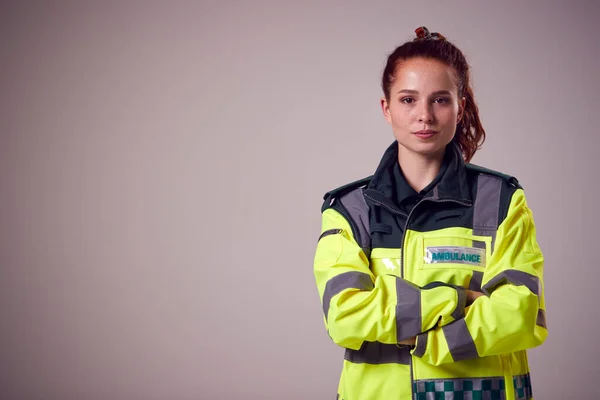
<point>511,315</point>
<point>359,306</point>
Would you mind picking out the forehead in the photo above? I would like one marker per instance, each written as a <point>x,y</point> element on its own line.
<point>423,74</point>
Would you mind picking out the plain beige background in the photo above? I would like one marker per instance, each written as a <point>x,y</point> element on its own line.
<point>162,166</point>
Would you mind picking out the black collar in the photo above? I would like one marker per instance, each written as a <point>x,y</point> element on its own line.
<point>452,184</point>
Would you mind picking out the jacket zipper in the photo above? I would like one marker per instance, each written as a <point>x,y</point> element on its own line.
<point>410,363</point>
<point>463,203</point>
<point>390,209</point>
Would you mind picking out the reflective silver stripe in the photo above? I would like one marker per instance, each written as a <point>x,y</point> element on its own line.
<point>461,297</point>
<point>487,206</point>
<point>514,277</point>
<point>354,202</point>
<point>421,344</point>
<point>408,310</point>
<point>346,280</point>
<point>478,244</point>
<point>522,385</point>
<point>475,282</point>
<point>541,319</point>
<point>459,311</point>
<point>379,353</point>
<point>460,342</point>
<point>488,388</point>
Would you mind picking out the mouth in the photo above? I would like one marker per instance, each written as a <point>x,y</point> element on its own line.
<point>425,133</point>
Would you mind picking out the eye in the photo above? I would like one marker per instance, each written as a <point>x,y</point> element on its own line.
<point>442,100</point>
<point>407,100</point>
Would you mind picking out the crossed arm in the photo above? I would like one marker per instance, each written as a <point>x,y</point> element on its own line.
<point>443,322</point>
<point>471,296</point>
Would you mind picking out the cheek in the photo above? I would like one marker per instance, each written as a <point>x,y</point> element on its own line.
<point>448,115</point>
<point>400,116</point>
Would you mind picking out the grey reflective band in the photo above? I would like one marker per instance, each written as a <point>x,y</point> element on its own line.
<point>341,282</point>
<point>408,310</point>
<point>514,277</point>
<point>354,202</point>
<point>421,344</point>
<point>479,244</point>
<point>460,342</point>
<point>379,353</point>
<point>475,282</point>
<point>522,385</point>
<point>488,388</point>
<point>541,319</point>
<point>460,303</point>
<point>487,207</point>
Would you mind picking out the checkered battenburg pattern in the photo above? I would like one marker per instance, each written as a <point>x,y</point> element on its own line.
<point>522,384</point>
<point>471,389</point>
<point>460,389</point>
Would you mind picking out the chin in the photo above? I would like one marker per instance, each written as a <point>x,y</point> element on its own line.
<point>425,149</point>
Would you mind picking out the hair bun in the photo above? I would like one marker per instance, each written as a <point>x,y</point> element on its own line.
<point>424,34</point>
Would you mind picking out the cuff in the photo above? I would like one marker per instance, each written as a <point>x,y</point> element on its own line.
<point>420,345</point>
<point>461,303</point>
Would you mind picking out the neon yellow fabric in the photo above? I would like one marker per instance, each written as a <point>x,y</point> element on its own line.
<point>505,322</point>
<point>357,315</point>
<point>501,326</point>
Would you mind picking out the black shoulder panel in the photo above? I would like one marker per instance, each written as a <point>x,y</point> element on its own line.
<point>336,193</point>
<point>511,180</point>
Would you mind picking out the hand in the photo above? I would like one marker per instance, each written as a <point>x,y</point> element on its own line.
<point>471,296</point>
<point>409,342</point>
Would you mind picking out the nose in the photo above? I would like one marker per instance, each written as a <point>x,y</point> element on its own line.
<point>425,113</point>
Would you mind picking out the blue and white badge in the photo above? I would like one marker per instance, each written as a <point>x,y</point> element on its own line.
<point>455,255</point>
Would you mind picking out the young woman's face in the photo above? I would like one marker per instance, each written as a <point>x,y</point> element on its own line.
<point>424,107</point>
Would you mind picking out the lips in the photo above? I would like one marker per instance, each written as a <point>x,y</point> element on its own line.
<point>425,133</point>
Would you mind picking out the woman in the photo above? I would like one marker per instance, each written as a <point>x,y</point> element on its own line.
<point>429,271</point>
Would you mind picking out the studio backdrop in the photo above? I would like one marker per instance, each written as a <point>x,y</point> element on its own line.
<point>162,167</point>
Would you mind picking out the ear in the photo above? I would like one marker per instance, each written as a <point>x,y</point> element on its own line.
<point>385,108</point>
<point>461,109</point>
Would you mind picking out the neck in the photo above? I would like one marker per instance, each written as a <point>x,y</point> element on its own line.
<point>419,170</point>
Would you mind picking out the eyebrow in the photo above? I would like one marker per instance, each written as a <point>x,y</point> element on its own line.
<point>437,93</point>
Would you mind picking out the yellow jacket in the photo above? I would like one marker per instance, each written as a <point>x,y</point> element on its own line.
<point>385,275</point>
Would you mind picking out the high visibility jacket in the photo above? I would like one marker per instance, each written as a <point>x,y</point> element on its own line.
<point>384,275</point>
